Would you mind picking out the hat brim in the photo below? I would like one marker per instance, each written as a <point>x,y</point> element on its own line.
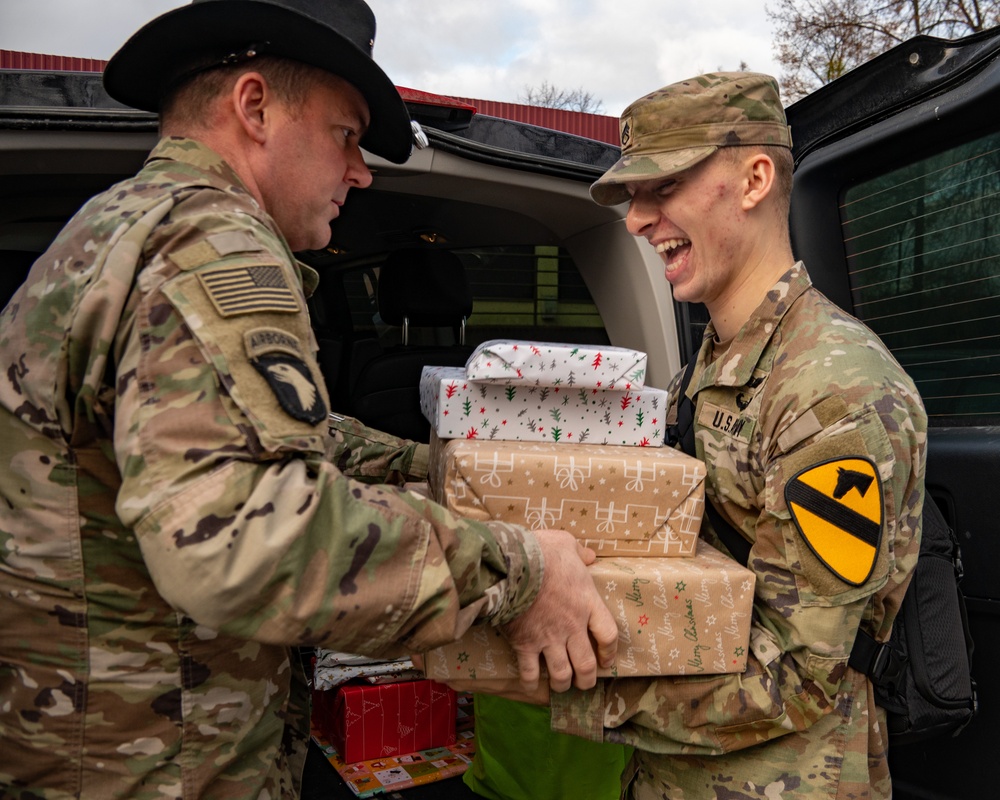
<point>146,66</point>
<point>612,187</point>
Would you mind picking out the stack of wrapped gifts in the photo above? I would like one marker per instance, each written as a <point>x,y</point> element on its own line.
<point>562,436</point>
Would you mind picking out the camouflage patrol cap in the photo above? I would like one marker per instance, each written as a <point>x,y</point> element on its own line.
<point>679,125</point>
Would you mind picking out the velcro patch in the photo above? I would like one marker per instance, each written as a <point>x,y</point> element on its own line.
<point>249,289</point>
<point>194,255</point>
<point>837,507</point>
<point>229,242</point>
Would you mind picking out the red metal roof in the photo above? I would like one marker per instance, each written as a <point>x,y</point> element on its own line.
<point>593,126</point>
<point>15,59</point>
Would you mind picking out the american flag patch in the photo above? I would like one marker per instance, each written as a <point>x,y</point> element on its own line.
<point>249,290</point>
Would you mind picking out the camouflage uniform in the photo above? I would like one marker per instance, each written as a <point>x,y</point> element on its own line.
<point>172,526</point>
<point>801,384</point>
<point>372,456</point>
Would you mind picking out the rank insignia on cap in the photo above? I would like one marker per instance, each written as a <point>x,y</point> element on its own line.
<point>293,384</point>
<point>626,131</point>
<point>837,507</point>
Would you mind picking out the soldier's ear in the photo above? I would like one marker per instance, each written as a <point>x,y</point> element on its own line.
<point>252,101</point>
<point>759,179</point>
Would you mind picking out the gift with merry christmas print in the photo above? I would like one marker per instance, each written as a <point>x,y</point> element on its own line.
<point>676,616</point>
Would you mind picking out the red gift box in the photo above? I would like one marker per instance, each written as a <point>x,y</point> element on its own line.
<point>364,722</point>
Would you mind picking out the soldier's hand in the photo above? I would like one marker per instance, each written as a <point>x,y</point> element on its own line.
<point>566,621</point>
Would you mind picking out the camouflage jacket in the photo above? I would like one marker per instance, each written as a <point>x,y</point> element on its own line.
<point>172,526</point>
<point>802,386</point>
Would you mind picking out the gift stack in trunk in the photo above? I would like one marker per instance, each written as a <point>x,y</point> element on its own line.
<point>561,436</point>
<point>383,726</point>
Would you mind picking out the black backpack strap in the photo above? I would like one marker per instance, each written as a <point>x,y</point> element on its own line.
<point>683,434</point>
<point>883,664</point>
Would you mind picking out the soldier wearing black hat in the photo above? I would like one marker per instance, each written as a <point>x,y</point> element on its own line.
<point>172,520</point>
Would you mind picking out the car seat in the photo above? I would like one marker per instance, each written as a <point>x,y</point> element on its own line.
<point>417,289</point>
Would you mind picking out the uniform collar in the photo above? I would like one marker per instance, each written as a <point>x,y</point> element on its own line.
<point>736,366</point>
<point>196,154</point>
<point>205,159</point>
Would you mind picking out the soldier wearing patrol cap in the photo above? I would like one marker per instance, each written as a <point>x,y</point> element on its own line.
<point>173,522</point>
<point>814,440</point>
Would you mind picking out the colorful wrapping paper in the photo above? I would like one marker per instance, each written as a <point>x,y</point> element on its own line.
<point>364,722</point>
<point>555,364</point>
<point>458,408</point>
<point>377,776</point>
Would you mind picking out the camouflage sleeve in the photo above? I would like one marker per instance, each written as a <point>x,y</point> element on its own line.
<point>372,456</point>
<point>805,619</point>
<point>221,439</point>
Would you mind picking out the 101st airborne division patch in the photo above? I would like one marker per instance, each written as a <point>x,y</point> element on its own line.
<point>837,507</point>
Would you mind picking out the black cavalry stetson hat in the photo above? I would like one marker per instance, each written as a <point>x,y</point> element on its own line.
<point>334,35</point>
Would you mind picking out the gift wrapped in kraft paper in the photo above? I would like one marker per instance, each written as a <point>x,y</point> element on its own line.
<point>676,616</point>
<point>618,500</point>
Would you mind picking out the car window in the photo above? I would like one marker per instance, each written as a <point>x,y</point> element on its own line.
<point>519,292</point>
<point>530,293</point>
<point>923,251</point>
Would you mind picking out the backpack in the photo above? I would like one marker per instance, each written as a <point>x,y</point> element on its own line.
<point>922,675</point>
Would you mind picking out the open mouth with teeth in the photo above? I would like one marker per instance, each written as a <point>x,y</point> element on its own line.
<point>672,250</point>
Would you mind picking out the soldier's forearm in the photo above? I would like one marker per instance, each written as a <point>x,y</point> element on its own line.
<point>373,456</point>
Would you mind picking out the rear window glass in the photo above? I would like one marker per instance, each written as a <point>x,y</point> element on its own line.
<point>923,251</point>
<point>519,292</point>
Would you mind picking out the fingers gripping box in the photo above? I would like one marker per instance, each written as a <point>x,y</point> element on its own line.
<point>676,616</point>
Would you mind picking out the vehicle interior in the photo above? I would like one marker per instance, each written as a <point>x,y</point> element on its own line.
<point>457,246</point>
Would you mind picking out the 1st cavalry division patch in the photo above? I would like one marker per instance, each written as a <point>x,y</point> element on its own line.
<point>837,507</point>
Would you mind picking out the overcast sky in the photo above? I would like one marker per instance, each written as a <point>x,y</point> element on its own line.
<point>614,49</point>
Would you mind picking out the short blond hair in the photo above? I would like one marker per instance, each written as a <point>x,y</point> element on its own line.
<point>190,103</point>
<point>784,166</point>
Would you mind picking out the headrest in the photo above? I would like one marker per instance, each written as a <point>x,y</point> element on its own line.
<point>427,287</point>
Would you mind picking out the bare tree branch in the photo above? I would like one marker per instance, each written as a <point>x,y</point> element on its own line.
<point>817,41</point>
<point>548,96</point>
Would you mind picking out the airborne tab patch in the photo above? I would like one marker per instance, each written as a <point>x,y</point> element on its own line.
<point>837,507</point>
<point>249,289</point>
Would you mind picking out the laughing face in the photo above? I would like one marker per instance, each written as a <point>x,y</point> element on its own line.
<point>695,220</point>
